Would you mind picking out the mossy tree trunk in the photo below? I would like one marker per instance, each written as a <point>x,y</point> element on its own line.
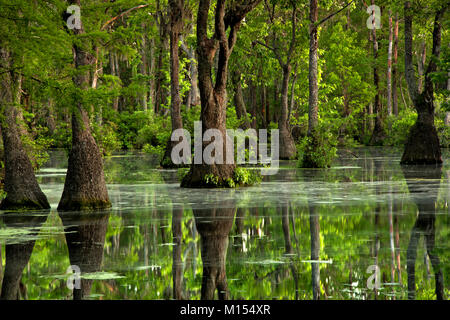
<point>20,184</point>
<point>422,146</point>
<point>213,96</point>
<point>85,186</point>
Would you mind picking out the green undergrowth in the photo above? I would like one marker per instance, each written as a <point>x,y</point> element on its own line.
<point>242,177</point>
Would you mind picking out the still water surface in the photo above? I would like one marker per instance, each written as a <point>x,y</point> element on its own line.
<point>298,235</point>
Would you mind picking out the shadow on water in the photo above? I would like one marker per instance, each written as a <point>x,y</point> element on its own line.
<point>18,253</point>
<point>423,184</point>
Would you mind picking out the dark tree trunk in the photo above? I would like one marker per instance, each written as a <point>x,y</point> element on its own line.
<point>176,25</point>
<point>18,255</point>
<point>214,96</point>
<point>423,145</point>
<point>378,131</point>
<point>85,237</point>
<point>425,225</point>
<point>287,145</point>
<point>85,187</point>
<point>241,110</point>
<point>214,226</point>
<point>20,184</point>
<point>389,71</point>
<point>313,117</point>
<point>394,70</point>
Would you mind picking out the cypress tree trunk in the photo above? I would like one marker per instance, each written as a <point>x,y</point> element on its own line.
<point>214,96</point>
<point>20,184</point>
<point>378,132</point>
<point>423,145</point>
<point>85,186</point>
<point>287,145</point>
<point>176,25</point>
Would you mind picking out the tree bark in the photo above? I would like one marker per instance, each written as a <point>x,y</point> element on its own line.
<point>423,145</point>
<point>176,26</point>
<point>394,70</point>
<point>313,118</point>
<point>20,184</point>
<point>85,186</point>
<point>378,132</point>
<point>389,71</point>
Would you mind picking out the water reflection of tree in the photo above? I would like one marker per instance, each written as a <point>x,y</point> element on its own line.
<point>85,237</point>
<point>423,184</point>
<point>214,225</point>
<point>17,255</point>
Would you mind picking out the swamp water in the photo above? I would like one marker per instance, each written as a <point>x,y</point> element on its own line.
<point>344,233</point>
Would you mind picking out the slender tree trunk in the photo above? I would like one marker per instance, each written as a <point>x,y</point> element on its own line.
<point>421,59</point>
<point>287,145</point>
<point>389,71</point>
<point>20,184</point>
<point>378,134</point>
<point>85,186</point>
<point>313,71</point>
<point>176,25</point>
<point>423,145</point>
<point>394,70</point>
<point>239,103</point>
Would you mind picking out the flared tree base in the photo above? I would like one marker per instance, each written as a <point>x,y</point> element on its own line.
<point>84,205</point>
<point>422,147</point>
<point>25,204</point>
<point>209,176</point>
